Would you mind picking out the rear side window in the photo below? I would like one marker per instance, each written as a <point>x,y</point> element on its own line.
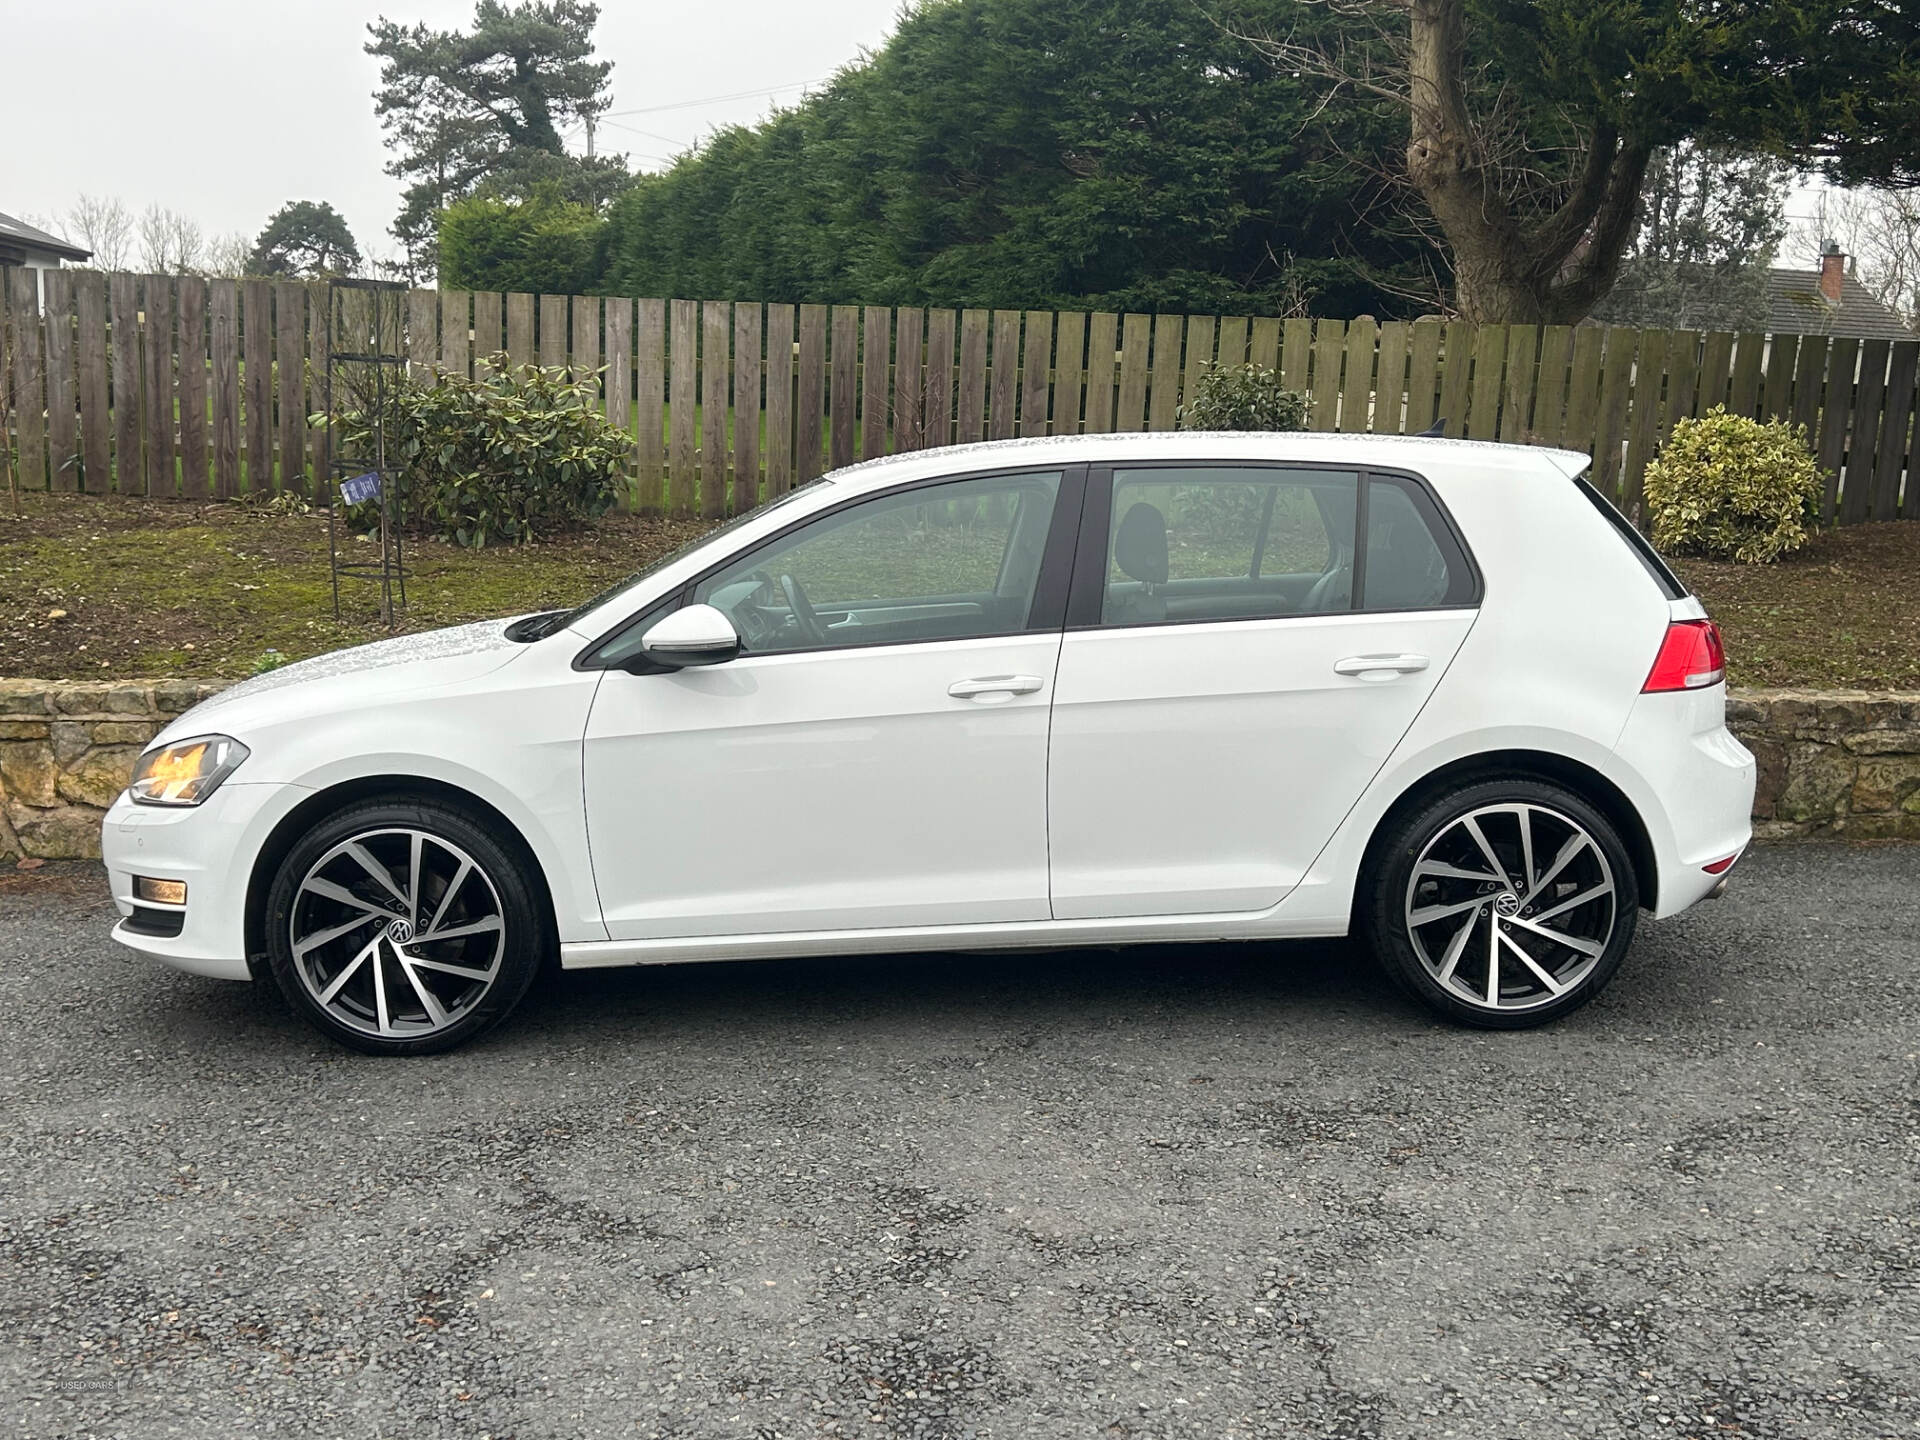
<point>1206,543</point>
<point>1649,557</point>
<point>1223,542</point>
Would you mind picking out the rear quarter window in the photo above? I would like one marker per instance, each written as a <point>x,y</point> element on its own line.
<point>1413,561</point>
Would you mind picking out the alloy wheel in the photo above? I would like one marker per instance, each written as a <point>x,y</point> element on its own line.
<point>1511,906</point>
<point>397,933</point>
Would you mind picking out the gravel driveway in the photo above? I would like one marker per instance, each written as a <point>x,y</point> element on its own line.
<point>1212,1191</point>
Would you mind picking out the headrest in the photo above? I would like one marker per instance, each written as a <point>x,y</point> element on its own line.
<point>1140,549</point>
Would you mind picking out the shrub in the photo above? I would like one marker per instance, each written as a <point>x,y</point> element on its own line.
<point>1242,397</point>
<point>1732,488</point>
<point>494,458</point>
<point>544,245</point>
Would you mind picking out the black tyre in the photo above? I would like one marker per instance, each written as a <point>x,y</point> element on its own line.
<point>1505,904</point>
<point>402,927</point>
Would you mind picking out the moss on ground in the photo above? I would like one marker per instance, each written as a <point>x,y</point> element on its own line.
<point>104,585</point>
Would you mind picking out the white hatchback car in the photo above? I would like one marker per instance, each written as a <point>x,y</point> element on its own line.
<point>1096,690</point>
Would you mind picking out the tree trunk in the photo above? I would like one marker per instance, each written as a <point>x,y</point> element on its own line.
<point>1550,272</point>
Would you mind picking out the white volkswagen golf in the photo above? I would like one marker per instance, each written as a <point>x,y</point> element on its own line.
<point>1097,690</point>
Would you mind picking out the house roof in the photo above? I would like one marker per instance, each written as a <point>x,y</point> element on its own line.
<point>17,237</point>
<point>1795,305</point>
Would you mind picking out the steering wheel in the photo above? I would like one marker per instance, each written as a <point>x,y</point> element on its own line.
<point>805,618</point>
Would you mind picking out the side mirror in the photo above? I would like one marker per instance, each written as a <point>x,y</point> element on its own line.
<point>694,635</point>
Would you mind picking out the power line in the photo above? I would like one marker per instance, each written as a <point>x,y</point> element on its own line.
<point>650,134</point>
<point>715,99</point>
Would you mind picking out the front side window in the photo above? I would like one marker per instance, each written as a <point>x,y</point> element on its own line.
<point>938,562</point>
<point>1228,543</point>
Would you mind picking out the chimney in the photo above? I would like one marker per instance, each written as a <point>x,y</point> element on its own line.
<point>1833,270</point>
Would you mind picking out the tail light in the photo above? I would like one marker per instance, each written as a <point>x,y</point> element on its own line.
<point>1691,658</point>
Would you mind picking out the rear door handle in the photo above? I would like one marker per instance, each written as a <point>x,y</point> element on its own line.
<point>993,689</point>
<point>1379,667</point>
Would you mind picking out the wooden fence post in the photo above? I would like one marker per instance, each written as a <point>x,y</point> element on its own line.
<point>63,432</point>
<point>810,395</point>
<point>1163,394</point>
<point>649,405</point>
<point>157,302</point>
<point>1136,340</point>
<point>96,411</point>
<point>909,385</point>
<point>970,409</point>
<point>876,376</point>
<point>1036,372</point>
<point>1856,487</point>
<point>844,384</point>
<point>746,406</point>
<point>1356,381</point>
<point>1103,344</point>
<point>779,444</point>
<point>683,379</point>
<point>1070,343</point>
<point>191,320</point>
<point>619,388</point>
<point>29,394</point>
<point>716,338</point>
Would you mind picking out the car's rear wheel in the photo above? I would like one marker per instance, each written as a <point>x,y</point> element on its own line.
<point>1505,904</point>
<point>403,927</point>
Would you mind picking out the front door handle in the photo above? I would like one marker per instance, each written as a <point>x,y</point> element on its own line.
<point>993,689</point>
<point>1379,667</point>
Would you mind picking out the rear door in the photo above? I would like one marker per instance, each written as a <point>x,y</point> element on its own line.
<point>1236,668</point>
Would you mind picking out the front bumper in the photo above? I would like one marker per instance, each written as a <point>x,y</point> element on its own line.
<point>210,846</point>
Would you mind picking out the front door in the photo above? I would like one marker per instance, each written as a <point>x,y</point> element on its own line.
<point>1234,674</point>
<point>877,756</point>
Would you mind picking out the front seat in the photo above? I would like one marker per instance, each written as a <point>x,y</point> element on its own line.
<point>1140,550</point>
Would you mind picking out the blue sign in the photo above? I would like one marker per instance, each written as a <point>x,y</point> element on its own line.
<point>361,488</point>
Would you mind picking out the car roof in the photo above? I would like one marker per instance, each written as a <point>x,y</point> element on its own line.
<point>1418,453</point>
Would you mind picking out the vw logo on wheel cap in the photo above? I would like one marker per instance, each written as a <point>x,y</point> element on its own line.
<point>400,931</point>
<point>1507,904</point>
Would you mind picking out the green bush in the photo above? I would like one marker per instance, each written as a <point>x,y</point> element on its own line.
<point>494,458</point>
<point>1242,397</point>
<point>544,245</point>
<point>1731,488</point>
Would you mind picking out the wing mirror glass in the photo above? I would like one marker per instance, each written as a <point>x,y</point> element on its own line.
<point>692,635</point>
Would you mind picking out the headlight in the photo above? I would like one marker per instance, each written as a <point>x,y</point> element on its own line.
<point>187,771</point>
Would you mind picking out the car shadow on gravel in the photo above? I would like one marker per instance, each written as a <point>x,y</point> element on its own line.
<point>1299,982</point>
<point>1301,985</point>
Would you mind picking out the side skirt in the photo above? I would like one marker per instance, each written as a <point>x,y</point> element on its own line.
<point>1036,935</point>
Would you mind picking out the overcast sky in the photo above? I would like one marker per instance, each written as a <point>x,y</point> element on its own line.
<point>226,109</point>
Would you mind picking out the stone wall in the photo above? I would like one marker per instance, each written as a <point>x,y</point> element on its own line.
<point>67,748</point>
<point>1831,762</point>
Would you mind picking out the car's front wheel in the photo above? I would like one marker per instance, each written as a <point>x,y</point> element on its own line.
<point>1505,904</point>
<point>402,927</point>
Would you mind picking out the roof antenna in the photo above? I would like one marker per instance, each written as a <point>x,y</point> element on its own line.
<point>1435,431</point>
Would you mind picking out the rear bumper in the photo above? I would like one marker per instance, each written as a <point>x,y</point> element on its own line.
<point>1699,783</point>
<point>211,847</point>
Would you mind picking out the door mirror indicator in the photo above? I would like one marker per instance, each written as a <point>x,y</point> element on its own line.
<point>692,635</point>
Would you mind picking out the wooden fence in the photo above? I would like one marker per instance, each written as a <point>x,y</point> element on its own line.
<point>160,385</point>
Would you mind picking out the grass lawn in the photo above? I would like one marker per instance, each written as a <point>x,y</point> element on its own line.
<point>159,587</point>
<point>170,587</point>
